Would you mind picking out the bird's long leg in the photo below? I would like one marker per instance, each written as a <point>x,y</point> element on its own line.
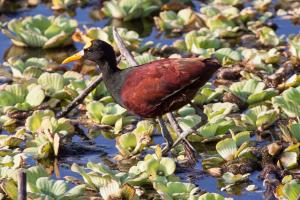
<point>200,113</point>
<point>165,133</point>
<point>190,151</point>
<point>185,133</point>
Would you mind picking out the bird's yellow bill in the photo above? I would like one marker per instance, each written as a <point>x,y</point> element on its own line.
<point>74,57</point>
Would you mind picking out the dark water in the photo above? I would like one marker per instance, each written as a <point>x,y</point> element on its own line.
<point>107,147</point>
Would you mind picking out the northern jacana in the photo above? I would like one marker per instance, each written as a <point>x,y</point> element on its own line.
<point>153,89</point>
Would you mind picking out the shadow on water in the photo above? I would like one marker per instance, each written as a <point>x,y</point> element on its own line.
<point>104,149</point>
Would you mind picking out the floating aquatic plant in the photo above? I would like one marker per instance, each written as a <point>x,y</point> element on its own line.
<point>217,111</point>
<point>216,128</point>
<point>130,9</point>
<point>261,59</point>
<point>294,45</point>
<point>207,94</point>
<point>40,31</point>
<point>259,117</point>
<point>227,2</point>
<point>132,143</point>
<point>66,4</point>
<point>105,114</point>
<point>153,168</point>
<point>252,91</point>
<point>223,25</point>
<point>29,68</point>
<point>268,37</point>
<point>106,182</point>
<point>184,20</point>
<point>187,118</point>
<point>289,190</point>
<point>261,4</point>
<point>48,132</point>
<point>12,141</point>
<point>288,102</point>
<point>20,97</point>
<point>211,196</point>
<point>130,38</point>
<point>230,180</point>
<point>229,150</point>
<point>47,188</point>
<point>176,190</point>
<point>291,132</point>
<point>12,162</point>
<point>199,41</point>
<point>51,83</point>
<point>291,13</point>
<point>228,56</point>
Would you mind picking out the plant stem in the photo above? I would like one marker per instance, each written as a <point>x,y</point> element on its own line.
<point>123,50</point>
<point>22,185</point>
<point>79,99</point>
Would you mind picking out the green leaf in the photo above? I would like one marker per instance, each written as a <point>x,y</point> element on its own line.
<point>289,102</point>
<point>228,55</point>
<point>241,137</point>
<point>126,143</point>
<point>111,113</point>
<point>10,188</point>
<point>18,91</point>
<point>168,165</point>
<point>218,127</point>
<point>6,98</point>
<point>35,96</point>
<point>230,178</point>
<point>295,130</point>
<point>227,148</point>
<point>294,45</point>
<point>34,122</point>
<point>253,89</point>
<point>291,190</point>
<point>94,111</point>
<point>289,160</point>
<point>218,111</point>
<point>33,173</point>
<point>268,37</point>
<point>211,196</point>
<point>259,116</point>
<point>50,187</point>
<point>51,82</point>
<point>40,31</point>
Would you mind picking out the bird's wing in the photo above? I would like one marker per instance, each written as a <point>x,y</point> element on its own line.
<point>148,85</point>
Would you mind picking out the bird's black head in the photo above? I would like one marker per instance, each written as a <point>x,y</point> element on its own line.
<point>97,51</point>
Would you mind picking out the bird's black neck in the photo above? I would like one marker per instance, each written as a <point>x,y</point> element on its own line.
<point>108,67</point>
<point>113,78</point>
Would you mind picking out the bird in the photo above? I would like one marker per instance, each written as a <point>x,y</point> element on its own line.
<point>149,90</point>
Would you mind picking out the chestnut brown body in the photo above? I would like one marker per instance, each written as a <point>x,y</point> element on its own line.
<point>161,86</point>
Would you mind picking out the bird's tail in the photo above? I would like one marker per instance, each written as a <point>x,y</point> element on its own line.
<point>212,62</point>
